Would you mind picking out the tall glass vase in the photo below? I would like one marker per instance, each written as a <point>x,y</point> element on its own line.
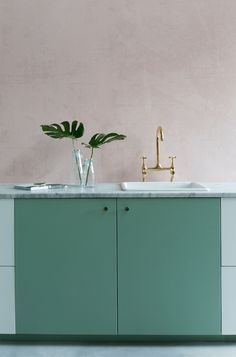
<point>83,168</point>
<point>77,163</point>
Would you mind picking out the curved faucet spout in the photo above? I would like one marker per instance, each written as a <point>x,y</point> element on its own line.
<point>160,134</point>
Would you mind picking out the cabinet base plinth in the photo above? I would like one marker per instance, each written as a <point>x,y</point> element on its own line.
<point>118,339</point>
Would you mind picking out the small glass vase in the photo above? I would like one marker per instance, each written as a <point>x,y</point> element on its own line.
<point>88,177</point>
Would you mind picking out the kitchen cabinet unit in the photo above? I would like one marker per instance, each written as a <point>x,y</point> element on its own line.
<point>7,269</point>
<point>169,266</point>
<point>118,266</point>
<point>66,266</point>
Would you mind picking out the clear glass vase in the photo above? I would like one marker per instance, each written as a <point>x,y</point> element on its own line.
<point>83,168</point>
<point>88,177</point>
<point>77,163</point>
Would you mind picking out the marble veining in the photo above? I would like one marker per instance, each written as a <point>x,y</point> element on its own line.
<point>114,190</point>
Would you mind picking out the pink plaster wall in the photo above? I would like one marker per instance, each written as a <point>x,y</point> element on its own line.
<point>118,65</point>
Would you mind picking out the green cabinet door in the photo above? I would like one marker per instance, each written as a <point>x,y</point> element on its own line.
<point>169,266</point>
<point>65,266</point>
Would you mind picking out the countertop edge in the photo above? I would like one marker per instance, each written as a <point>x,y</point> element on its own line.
<point>113,190</point>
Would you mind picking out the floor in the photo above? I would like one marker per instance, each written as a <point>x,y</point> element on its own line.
<point>101,350</point>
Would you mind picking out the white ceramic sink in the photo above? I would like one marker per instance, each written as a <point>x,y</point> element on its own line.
<point>163,186</point>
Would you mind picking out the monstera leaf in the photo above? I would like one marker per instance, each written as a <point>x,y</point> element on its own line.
<point>99,139</point>
<point>64,130</point>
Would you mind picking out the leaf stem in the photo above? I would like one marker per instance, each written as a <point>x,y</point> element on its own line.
<point>89,166</point>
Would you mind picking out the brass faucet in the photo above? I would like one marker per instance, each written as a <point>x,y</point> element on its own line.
<point>158,167</point>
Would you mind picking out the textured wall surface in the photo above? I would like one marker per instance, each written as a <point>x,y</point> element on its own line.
<point>118,65</point>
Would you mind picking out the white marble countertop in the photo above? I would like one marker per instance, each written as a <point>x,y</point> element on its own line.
<point>226,189</point>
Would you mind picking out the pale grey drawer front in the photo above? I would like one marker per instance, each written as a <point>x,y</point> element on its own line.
<point>7,232</point>
<point>7,300</point>
<point>228,231</point>
<point>228,275</point>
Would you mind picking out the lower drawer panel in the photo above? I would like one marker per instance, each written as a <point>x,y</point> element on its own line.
<point>228,300</point>
<point>7,300</point>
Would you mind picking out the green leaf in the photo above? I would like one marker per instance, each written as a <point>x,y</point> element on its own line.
<point>66,126</point>
<point>113,137</point>
<point>79,132</point>
<point>57,126</point>
<point>74,125</point>
<point>100,139</point>
<point>64,130</point>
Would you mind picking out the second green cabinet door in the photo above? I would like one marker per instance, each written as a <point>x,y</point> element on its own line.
<point>65,266</point>
<point>169,266</point>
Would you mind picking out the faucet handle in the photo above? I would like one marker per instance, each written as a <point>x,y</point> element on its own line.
<point>172,160</point>
<point>144,169</point>
<point>172,168</point>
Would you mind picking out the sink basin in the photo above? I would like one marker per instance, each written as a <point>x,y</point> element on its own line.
<point>163,186</point>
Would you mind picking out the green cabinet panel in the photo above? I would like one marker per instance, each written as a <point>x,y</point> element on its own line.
<point>169,266</point>
<point>65,266</point>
